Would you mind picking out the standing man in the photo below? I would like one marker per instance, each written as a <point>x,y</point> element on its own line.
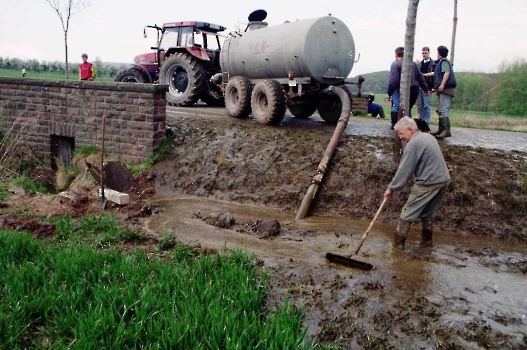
<point>86,70</point>
<point>394,84</point>
<point>23,72</point>
<point>423,159</point>
<point>445,86</point>
<point>426,66</point>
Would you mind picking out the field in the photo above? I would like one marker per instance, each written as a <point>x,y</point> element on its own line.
<point>54,76</point>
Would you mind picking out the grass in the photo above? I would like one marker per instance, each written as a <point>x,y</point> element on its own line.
<point>162,152</point>
<point>86,151</point>
<point>28,185</point>
<point>69,291</point>
<point>13,73</point>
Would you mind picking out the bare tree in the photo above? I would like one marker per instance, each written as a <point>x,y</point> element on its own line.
<point>406,73</point>
<point>452,46</point>
<point>65,10</point>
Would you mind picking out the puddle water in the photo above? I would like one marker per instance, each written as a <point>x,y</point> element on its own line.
<point>464,274</point>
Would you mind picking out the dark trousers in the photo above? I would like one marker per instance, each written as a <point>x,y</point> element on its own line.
<point>414,94</point>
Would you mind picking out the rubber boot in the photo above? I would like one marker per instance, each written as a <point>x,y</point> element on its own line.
<point>427,233</point>
<point>403,227</point>
<point>446,129</point>
<point>439,128</point>
<point>393,115</point>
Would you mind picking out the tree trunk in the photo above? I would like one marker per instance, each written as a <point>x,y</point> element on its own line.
<point>66,50</point>
<point>453,44</point>
<point>406,73</point>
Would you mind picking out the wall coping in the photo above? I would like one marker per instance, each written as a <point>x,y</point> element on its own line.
<point>93,85</point>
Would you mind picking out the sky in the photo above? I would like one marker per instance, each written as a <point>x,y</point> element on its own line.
<point>489,33</point>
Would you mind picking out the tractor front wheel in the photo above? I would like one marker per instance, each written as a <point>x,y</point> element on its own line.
<point>185,79</point>
<point>129,75</point>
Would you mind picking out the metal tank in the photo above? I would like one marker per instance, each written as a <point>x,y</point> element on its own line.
<point>319,49</point>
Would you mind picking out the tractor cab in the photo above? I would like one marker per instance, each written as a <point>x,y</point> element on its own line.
<point>200,39</point>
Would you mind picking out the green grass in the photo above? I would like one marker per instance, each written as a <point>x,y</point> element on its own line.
<point>86,151</point>
<point>69,292</point>
<point>28,185</point>
<point>162,152</point>
<point>3,191</point>
<point>13,73</point>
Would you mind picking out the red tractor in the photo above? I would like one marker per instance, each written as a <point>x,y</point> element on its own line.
<point>186,58</point>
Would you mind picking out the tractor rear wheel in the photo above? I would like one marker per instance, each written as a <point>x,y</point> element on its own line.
<point>302,111</point>
<point>268,102</point>
<point>129,75</point>
<point>185,78</point>
<point>238,97</point>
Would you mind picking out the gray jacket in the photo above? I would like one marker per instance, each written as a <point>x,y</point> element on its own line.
<point>422,157</point>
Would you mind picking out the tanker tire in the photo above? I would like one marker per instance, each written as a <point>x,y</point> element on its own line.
<point>185,79</point>
<point>330,108</point>
<point>238,97</point>
<point>268,102</point>
<point>129,75</point>
<point>303,111</point>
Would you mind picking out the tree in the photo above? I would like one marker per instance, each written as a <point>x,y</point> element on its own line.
<point>406,73</point>
<point>65,10</point>
<point>512,96</point>
<point>453,45</point>
<point>111,71</point>
<point>17,63</point>
<point>33,65</point>
<point>99,67</point>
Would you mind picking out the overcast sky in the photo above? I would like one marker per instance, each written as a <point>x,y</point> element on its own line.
<point>488,32</point>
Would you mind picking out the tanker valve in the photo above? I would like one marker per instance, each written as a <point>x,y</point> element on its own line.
<point>292,79</point>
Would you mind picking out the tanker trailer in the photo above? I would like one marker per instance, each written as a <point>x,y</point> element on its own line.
<point>268,68</point>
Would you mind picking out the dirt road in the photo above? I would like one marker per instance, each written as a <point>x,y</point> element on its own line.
<point>490,139</point>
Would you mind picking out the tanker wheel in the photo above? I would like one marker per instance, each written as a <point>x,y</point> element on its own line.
<point>302,111</point>
<point>268,102</point>
<point>330,107</point>
<point>185,79</point>
<point>238,97</point>
<point>129,75</point>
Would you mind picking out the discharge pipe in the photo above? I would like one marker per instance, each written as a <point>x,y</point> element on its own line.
<point>328,154</point>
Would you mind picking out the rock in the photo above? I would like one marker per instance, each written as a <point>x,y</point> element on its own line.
<point>224,220</point>
<point>266,228</point>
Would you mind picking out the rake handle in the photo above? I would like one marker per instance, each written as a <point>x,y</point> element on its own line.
<point>365,235</point>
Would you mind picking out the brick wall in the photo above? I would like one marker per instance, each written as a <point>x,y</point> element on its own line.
<point>37,110</point>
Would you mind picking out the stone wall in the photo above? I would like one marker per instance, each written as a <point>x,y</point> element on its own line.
<point>39,111</point>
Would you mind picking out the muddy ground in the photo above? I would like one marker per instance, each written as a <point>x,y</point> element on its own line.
<point>238,185</point>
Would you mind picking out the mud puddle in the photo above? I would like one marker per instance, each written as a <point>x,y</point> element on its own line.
<point>462,290</point>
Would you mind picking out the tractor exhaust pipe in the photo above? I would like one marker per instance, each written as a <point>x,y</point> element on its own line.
<point>328,154</point>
